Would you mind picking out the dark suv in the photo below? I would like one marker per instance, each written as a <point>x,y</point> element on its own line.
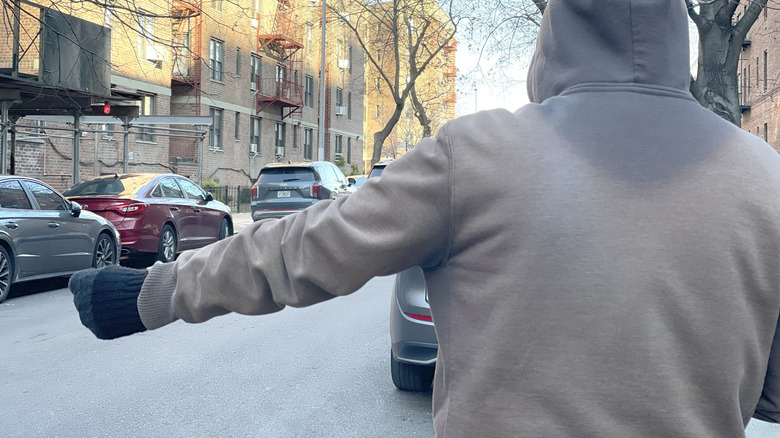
<point>283,189</point>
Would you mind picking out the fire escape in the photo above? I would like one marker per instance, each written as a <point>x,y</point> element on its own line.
<point>281,42</point>
<point>187,31</point>
<point>450,72</point>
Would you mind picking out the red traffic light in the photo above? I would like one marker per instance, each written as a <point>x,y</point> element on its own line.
<point>106,108</point>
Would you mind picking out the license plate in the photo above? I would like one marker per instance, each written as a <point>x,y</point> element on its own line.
<point>283,194</point>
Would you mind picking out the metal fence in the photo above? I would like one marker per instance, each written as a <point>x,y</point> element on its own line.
<point>237,198</point>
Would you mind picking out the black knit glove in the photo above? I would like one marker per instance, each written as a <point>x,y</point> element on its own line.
<point>106,300</point>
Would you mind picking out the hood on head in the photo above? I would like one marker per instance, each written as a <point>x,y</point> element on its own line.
<point>610,41</point>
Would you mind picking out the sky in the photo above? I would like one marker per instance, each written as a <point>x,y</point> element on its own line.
<point>485,95</point>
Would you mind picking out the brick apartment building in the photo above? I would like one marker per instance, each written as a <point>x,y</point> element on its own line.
<point>252,66</point>
<point>759,72</point>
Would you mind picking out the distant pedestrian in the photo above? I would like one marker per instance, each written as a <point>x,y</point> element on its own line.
<point>617,275</point>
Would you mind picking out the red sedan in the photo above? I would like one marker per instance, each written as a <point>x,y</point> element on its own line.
<point>158,214</point>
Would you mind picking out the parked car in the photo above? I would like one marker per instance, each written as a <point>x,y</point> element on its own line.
<point>356,180</point>
<point>378,168</point>
<point>42,234</point>
<point>156,214</point>
<point>283,189</point>
<point>412,335</point>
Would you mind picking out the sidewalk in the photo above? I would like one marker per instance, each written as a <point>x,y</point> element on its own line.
<point>241,221</point>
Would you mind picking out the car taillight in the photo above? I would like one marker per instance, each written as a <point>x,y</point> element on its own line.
<point>254,192</point>
<point>420,317</point>
<point>134,208</point>
<point>315,190</point>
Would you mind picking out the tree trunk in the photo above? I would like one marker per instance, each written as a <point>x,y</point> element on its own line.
<point>720,45</point>
<point>717,85</point>
<point>381,136</point>
<point>419,112</point>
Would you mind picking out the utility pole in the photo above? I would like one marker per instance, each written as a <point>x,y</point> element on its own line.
<point>321,127</point>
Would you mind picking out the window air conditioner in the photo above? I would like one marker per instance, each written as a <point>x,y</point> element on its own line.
<point>253,86</point>
<point>253,148</point>
<point>341,110</point>
<point>279,151</point>
<point>344,64</point>
<point>155,53</point>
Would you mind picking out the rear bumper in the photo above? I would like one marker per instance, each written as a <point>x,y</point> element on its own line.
<point>270,210</point>
<point>412,340</point>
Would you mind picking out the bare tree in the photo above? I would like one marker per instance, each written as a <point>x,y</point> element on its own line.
<point>401,39</point>
<point>723,26</point>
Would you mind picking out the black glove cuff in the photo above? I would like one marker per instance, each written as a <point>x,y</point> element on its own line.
<point>107,300</point>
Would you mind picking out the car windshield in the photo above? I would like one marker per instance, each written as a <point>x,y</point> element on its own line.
<point>376,171</point>
<point>286,174</point>
<point>126,185</point>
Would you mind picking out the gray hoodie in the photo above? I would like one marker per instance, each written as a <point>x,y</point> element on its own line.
<point>602,262</point>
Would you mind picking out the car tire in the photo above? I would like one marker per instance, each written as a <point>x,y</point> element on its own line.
<point>166,251</point>
<point>411,377</point>
<point>105,252</point>
<point>225,230</point>
<point>6,273</point>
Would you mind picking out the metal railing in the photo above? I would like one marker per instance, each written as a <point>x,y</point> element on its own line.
<point>237,198</point>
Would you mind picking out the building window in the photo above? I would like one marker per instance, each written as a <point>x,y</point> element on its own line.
<point>766,129</point>
<point>238,62</point>
<point>758,79</point>
<point>765,67</point>
<point>349,150</point>
<point>349,59</point>
<point>254,72</point>
<point>146,108</point>
<point>338,144</point>
<point>378,81</point>
<point>254,132</point>
<point>377,110</point>
<point>309,29</point>
<point>295,137</point>
<point>216,4</point>
<point>215,59</point>
<point>349,105</point>
<point>145,36</point>
<point>279,139</point>
<point>308,94</point>
<point>255,8</point>
<point>281,78</point>
<point>339,97</point>
<point>215,137</point>
<point>237,128</point>
<point>307,134</point>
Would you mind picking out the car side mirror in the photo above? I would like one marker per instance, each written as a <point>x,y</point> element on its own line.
<point>351,181</point>
<point>209,197</point>
<point>75,209</point>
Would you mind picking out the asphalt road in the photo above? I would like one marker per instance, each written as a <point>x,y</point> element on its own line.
<point>321,371</point>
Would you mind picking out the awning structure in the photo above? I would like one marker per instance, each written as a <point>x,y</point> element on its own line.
<point>74,126</point>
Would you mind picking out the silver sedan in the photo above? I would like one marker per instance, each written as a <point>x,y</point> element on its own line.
<point>42,234</point>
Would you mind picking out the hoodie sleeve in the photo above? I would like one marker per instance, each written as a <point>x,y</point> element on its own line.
<point>768,408</point>
<point>329,249</point>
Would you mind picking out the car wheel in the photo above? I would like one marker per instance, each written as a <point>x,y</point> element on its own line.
<point>166,252</point>
<point>105,252</point>
<point>410,377</point>
<point>6,274</point>
<point>225,229</point>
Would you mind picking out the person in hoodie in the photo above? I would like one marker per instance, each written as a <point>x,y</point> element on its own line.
<point>622,281</point>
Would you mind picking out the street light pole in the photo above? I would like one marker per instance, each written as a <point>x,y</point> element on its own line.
<point>321,127</point>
